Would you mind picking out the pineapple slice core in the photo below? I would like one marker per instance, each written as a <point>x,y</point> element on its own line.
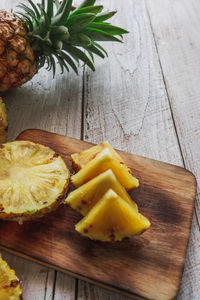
<point>82,158</point>
<point>102,162</point>
<point>112,219</point>
<point>86,196</point>
<point>32,177</point>
<point>9,284</point>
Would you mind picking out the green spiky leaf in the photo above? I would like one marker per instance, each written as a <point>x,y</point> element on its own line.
<point>95,50</point>
<point>114,30</point>
<point>90,54</point>
<point>61,18</point>
<point>87,3</point>
<point>79,22</point>
<point>34,8</point>
<point>64,35</point>
<point>80,54</point>
<point>60,33</point>
<point>91,9</point>
<point>104,16</point>
<point>58,45</point>
<point>80,39</point>
<point>68,59</point>
<point>50,8</point>
<point>29,12</point>
<point>100,35</point>
<point>100,47</point>
<point>61,6</point>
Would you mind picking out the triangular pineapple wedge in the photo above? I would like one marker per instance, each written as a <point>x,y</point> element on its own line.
<point>82,158</point>
<point>86,196</point>
<point>10,287</point>
<point>102,162</point>
<point>112,219</point>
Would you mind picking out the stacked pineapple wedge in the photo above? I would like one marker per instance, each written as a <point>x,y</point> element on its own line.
<point>102,181</point>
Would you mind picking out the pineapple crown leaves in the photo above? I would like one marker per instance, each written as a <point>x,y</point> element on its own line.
<point>57,32</point>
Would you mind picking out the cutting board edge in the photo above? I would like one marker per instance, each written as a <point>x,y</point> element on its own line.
<point>41,130</point>
<point>75,275</point>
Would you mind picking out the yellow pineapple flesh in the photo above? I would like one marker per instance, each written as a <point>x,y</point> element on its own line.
<point>112,219</point>
<point>17,60</point>
<point>10,286</point>
<point>86,196</point>
<point>33,180</point>
<point>3,122</point>
<point>102,162</point>
<point>82,158</point>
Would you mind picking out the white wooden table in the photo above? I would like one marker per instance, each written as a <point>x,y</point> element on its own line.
<point>145,99</point>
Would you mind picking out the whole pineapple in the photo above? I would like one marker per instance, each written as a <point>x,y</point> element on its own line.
<point>51,32</point>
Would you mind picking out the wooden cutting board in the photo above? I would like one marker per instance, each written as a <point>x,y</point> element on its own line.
<point>145,267</point>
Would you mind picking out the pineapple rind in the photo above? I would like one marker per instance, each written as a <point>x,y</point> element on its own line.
<point>102,162</point>
<point>33,180</point>
<point>10,286</point>
<point>3,122</point>
<point>112,219</point>
<point>86,196</point>
<point>18,62</point>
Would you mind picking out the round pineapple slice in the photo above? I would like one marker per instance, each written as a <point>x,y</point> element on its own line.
<point>33,180</point>
<point>10,286</point>
<point>3,122</point>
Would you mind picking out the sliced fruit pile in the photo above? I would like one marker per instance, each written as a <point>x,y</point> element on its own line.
<point>10,286</point>
<point>33,180</point>
<point>3,122</point>
<point>102,180</point>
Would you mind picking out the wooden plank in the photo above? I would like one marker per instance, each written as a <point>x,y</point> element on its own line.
<point>91,292</point>
<point>49,284</point>
<point>166,196</point>
<point>32,275</point>
<point>126,101</point>
<point>65,287</point>
<point>53,105</point>
<point>175,25</point>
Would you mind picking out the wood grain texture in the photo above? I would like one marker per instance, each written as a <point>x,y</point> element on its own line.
<point>89,291</point>
<point>65,287</point>
<point>136,266</point>
<point>175,25</point>
<point>126,102</point>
